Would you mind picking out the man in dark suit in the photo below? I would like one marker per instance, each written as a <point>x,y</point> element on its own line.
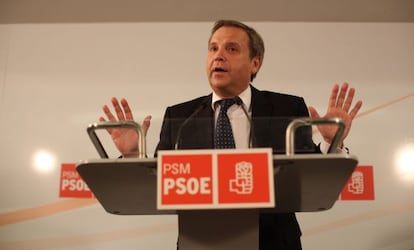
<point>258,118</point>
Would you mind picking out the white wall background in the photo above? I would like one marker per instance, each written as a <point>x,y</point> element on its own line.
<point>54,78</point>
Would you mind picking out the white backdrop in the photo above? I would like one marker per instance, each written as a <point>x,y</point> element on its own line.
<point>54,78</point>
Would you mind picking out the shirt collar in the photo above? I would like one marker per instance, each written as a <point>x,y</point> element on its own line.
<point>245,96</point>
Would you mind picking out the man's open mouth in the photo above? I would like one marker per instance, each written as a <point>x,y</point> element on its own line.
<point>218,69</point>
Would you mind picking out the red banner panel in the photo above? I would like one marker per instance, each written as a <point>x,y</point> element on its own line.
<point>71,184</point>
<point>360,185</point>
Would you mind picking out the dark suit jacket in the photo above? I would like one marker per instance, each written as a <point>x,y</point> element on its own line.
<point>271,113</point>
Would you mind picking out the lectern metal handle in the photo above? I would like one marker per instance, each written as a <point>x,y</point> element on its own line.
<point>142,149</point>
<point>293,125</point>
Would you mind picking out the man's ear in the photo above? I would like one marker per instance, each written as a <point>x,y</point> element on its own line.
<point>257,63</point>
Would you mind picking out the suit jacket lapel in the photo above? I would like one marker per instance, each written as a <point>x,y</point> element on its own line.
<point>205,125</point>
<point>199,132</point>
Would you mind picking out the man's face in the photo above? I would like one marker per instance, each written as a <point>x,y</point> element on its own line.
<point>229,66</point>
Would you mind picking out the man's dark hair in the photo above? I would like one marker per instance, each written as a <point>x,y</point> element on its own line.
<point>256,44</point>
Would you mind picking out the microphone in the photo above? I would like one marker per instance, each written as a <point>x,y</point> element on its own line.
<point>239,102</point>
<point>177,140</point>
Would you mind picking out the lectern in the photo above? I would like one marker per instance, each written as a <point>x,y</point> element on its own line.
<point>303,183</point>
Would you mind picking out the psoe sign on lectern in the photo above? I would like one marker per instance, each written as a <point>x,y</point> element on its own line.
<point>214,179</point>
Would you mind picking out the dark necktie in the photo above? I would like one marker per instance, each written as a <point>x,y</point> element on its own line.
<point>223,137</point>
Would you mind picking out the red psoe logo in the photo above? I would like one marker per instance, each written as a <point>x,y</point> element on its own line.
<point>71,184</point>
<point>360,185</point>
<point>243,181</point>
<point>186,179</point>
<point>211,179</point>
